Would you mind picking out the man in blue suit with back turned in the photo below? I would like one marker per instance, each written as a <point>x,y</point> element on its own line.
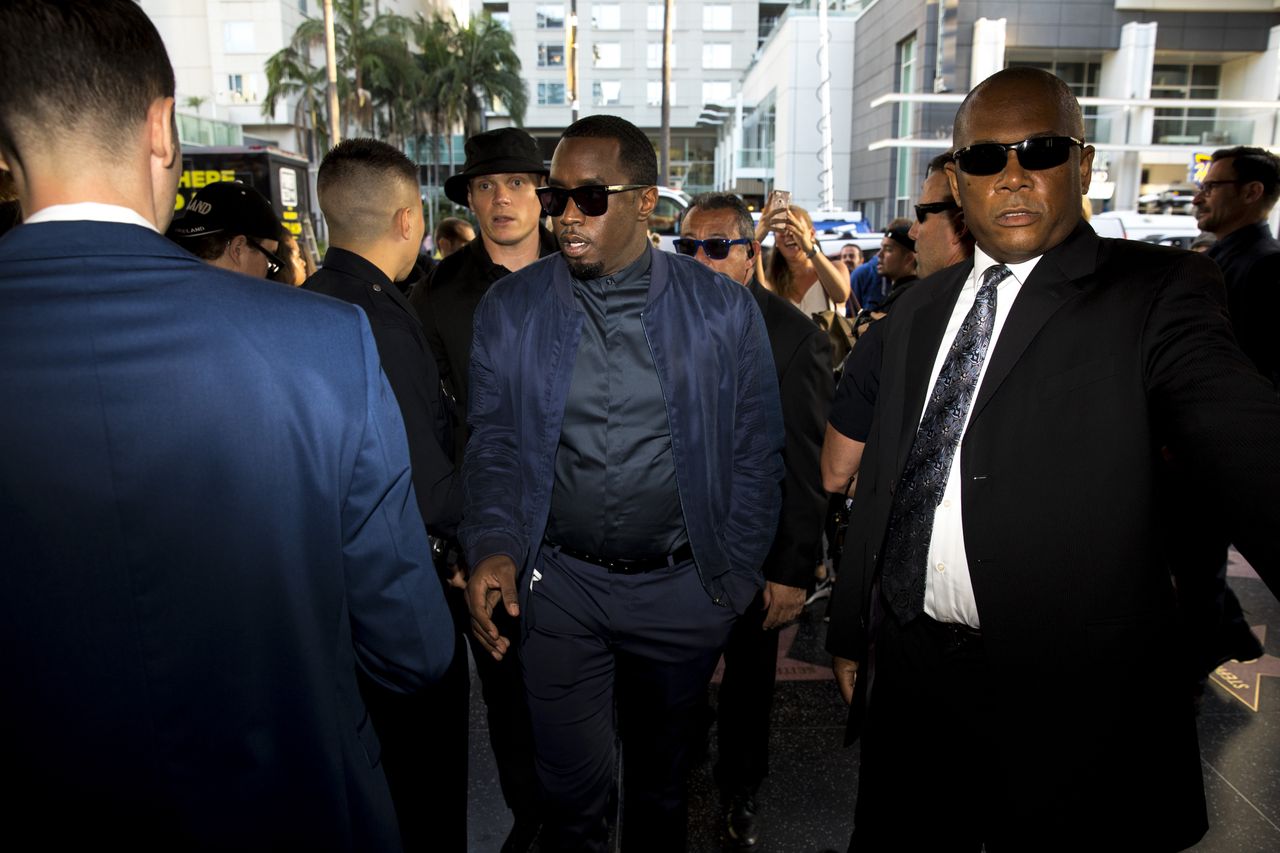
<point>206,517</point>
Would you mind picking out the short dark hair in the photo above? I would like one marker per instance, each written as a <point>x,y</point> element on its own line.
<point>727,201</point>
<point>634,148</point>
<point>74,62</point>
<point>450,228</point>
<point>362,158</point>
<point>1254,164</point>
<point>208,247</point>
<point>939,163</point>
<point>1051,87</point>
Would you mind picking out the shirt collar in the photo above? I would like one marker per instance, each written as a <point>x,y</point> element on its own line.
<point>982,262</point>
<point>354,265</point>
<point>90,211</point>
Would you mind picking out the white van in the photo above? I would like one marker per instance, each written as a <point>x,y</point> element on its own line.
<point>1167,228</point>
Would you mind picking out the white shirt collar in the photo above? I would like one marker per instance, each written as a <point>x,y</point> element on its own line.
<point>982,262</point>
<point>91,211</point>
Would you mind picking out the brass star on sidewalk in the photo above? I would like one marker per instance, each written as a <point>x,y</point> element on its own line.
<point>1244,680</point>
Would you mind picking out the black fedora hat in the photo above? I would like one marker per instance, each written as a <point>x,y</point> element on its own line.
<point>495,152</point>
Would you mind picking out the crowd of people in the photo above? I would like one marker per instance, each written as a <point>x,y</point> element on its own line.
<point>250,531</point>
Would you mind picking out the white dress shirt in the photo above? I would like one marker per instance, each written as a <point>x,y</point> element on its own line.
<point>948,590</point>
<point>90,211</point>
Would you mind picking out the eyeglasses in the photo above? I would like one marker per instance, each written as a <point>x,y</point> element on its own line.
<point>717,248</point>
<point>273,262</point>
<point>1040,152</point>
<point>592,199</point>
<point>1207,187</point>
<point>923,210</point>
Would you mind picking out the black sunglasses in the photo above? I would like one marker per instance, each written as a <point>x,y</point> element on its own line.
<point>1040,152</point>
<point>592,199</point>
<point>923,210</point>
<point>717,248</point>
<point>273,262</point>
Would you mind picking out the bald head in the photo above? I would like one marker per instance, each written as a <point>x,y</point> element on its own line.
<point>369,196</point>
<point>1014,88</point>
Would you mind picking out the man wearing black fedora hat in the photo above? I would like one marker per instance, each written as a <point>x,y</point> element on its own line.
<point>502,170</point>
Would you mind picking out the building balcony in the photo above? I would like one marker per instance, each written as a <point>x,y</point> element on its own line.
<point>208,132</point>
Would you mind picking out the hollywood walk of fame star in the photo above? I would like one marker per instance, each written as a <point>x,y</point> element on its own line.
<point>1244,680</point>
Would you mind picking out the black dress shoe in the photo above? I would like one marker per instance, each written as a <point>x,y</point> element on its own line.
<point>1238,643</point>
<point>740,823</point>
<point>523,837</point>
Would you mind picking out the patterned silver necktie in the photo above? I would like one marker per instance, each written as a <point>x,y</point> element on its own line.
<point>924,479</point>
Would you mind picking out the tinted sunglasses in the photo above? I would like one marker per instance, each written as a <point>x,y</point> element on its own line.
<point>1040,152</point>
<point>273,262</point>
<point>923,210</point>
<point>592,199</point>
<point>717,248</point>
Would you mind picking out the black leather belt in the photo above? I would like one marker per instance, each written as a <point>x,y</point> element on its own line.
<point>620,566</point>
<point>953,634</point>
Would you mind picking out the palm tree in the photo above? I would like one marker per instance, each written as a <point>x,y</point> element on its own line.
<point>485,68</point>
<point>370,53</point>
<point>289,73</point>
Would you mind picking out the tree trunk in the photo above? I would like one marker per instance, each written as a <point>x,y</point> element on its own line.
<point>664,140</point>
<point>331,69</point>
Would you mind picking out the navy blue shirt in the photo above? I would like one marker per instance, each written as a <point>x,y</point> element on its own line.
<point>615,491</point>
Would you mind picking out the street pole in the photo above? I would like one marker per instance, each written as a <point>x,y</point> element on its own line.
<point>331,67</point>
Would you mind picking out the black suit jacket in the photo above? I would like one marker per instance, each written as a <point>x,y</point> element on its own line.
<point>802,356</point>
<point>1113,349</point>
<point>1250,263</point>
<point>412,374</point>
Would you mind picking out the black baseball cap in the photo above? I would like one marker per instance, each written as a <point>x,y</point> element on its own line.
<point>229,207</point>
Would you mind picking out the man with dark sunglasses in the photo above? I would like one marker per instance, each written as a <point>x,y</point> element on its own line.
<point>1003,547</point>
<point>717,231</point>
<point>232,226</point>
<point>623,474</point>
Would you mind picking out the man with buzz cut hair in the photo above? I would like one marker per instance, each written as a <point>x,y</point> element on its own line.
<point>207,524</point>
<point>717,231</point>
<point>1004,544</point>
<point>503,168</point>
<point>622,475</point>
<point>368,192</point>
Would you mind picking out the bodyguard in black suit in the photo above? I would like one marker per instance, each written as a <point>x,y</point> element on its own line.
<point>718,231</point>
<point>999,579</point>
<point>368,192</point>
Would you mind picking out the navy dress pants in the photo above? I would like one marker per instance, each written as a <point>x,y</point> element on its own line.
<point>645,644</point>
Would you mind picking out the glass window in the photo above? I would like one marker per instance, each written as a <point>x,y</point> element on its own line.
<point>665,215</point>
<point>653,93</point>
<point>1182,126</point>
<point>606,54</point>
<point>550,94</point>
<point>654,55</point>
<point>717,92</point>
<point>551,55</point>
<point>606,16</point>
<point>237,37</point>
<point>551,17</point>
<point>655,17</point>
<point>606,93</point>
<point>717,55</point>
<point>908,81</point>
<point>717,16</point>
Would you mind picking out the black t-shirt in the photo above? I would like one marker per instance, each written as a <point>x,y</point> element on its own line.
<point>855,400</point>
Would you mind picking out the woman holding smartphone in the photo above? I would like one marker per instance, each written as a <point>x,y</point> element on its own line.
<point>797,269</point>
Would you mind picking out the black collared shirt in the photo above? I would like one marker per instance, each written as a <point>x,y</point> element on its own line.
<point>411,372</point>
<point>615,490</point>
<point>447,302</point>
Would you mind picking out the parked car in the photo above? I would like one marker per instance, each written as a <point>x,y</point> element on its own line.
<point>665,220</point>
<point>1168,228</point>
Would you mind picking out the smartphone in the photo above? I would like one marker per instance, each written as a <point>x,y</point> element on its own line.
<point>779,200</point>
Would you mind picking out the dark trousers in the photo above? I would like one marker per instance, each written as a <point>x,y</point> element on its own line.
<point>424,750</point>
<point>926,744</point>
<point>645,644</point>
<point>510,733</point>
<point>745,704</point>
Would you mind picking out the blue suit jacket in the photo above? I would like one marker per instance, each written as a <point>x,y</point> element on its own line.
<point>712,357</point>
<point>206,525</point>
